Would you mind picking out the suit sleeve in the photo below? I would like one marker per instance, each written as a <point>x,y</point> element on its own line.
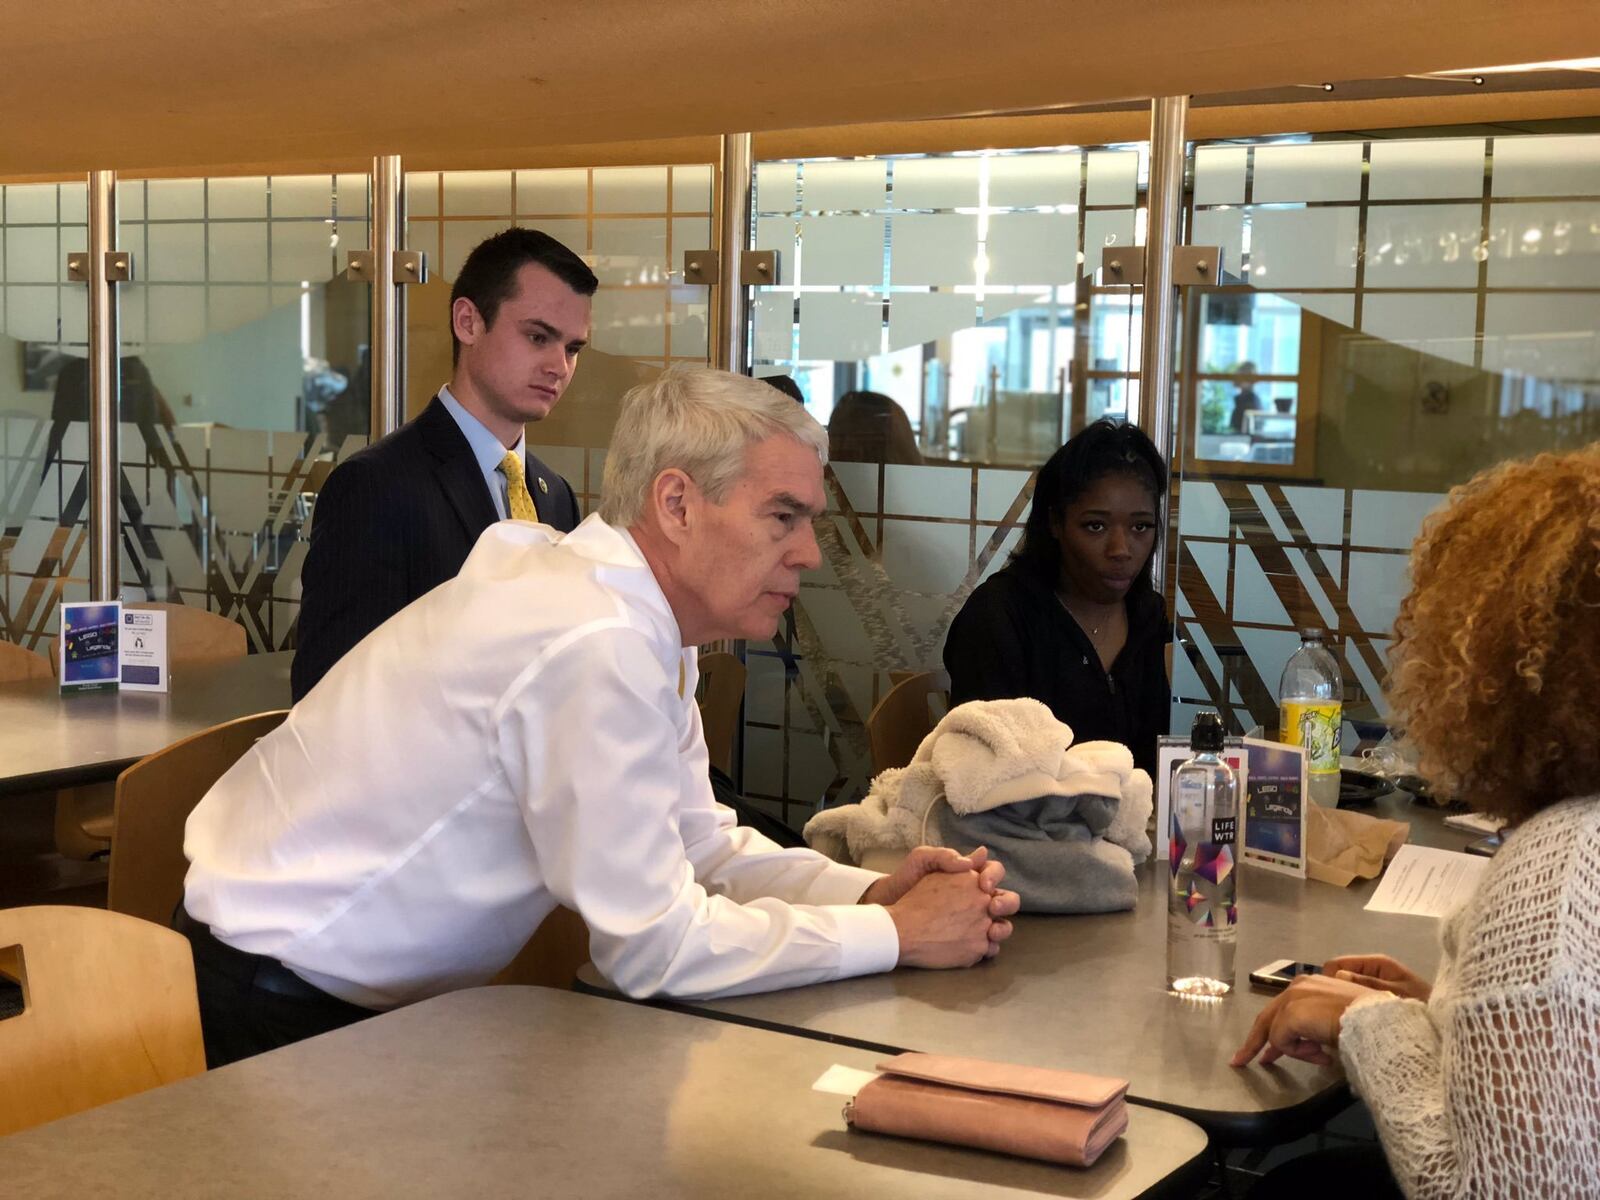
<point>354,576</point>
<point>984,653</point>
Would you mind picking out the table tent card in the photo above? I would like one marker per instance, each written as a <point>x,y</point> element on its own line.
<point>87,648</point>
<point>1274,812</point>
<point>144,650</point>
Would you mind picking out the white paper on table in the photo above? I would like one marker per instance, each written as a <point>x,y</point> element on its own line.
<point>1425,882</point>
<point>1481,824</point>
<point>840,1080</point>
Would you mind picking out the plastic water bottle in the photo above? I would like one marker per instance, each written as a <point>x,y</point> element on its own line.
<point>1202,903</point>
<point>1311,713</point>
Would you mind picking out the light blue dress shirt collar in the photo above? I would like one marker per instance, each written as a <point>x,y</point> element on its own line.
<point>486,448</point>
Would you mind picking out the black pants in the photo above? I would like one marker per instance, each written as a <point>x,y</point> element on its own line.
<point>1337,1174</point>
<point>250,1004</point>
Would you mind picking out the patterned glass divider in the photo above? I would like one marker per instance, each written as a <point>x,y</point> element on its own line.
<point>1408,313</point>
<point>245,379</point>
<point>44,551</point>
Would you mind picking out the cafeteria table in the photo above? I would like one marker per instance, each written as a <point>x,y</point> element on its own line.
<point>514,1091</point>
<point>1088,993</point>
<point>51,740</point>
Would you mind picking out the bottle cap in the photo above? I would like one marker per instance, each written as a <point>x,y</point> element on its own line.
<point>1206,735</point>
<point>1312,634</point>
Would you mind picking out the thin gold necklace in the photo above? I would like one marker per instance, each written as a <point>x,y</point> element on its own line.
<point>1067,608</point>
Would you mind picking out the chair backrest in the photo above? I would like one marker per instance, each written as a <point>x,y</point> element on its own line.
<point>902,719</point>
<point>154,798</point>
<point>722,678</point>
<point>109,1010</point>
<point>193,635</point>
<point>18,665</point>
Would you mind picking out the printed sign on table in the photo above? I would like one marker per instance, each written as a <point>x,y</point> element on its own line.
<point>88,658</point>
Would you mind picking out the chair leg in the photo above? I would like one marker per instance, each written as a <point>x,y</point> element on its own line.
<point>83,821</point>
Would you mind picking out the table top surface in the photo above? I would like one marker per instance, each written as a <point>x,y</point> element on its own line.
<point>1088,993</point>
<point>520,1091</point>
<point>52,740</point>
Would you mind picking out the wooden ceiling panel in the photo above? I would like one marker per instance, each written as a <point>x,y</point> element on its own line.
<point>149,84</point>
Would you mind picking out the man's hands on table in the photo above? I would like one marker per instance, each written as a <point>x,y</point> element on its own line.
<point>948,908</point>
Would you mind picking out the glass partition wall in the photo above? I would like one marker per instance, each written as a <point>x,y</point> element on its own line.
<point>1407,312</point>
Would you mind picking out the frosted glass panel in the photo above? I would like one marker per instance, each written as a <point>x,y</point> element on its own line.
<point>1423,245</point>
<point>176,252</point>
<point>775,187</point>
<point>841,250</point>
<point>843,327</point>
<point>1026,248</point>
<point>1113,177</point>
<point>1303,247</point>
<point>477,194</point>
<point>630,322</point>
<point>31,204</point>
<point>1323,171</point>
<point>1219,174</point>
<point>922,557</point>
<point>560,190</point>
<point>245,197</point>
<point>170,199</point>
<point>1441,325</point>
<point>630,250</point>
<point>927,491</point>
<point>691,188</point>
<point>916,317</point>
<point>1547,166</point>
<point>238,253</point>
<point>422,194</point>
<point>1439,169</point>
<point>1034,180</point>
<point>1550,336</point>
<point>176,314</point>
<point>1544,245</point>
<point>1222,227</point>
<point>308,196</point>
<point>31,255</point>
<point>1335,307</point>
<point>933,249</point>
<point>630,189</point>
<point>778,233</point>
<point>843,185</point>
<point>1102,229</point>
<point>772,315</point>
<point>936,182</point>
<point>459,239</point>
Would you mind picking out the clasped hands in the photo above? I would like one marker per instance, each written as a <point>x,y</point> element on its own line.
<point>948,908</point>
<point>1304,1021</point>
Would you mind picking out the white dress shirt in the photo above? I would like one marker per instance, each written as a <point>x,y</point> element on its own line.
<point>515,740</point>
<point>486,448</point>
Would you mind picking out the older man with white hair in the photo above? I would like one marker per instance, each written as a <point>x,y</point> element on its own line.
<point>525,735</point>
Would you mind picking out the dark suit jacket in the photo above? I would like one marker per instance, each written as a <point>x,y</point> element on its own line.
<point>394,521</point>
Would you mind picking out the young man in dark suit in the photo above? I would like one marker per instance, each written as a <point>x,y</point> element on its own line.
<point>398,518</point>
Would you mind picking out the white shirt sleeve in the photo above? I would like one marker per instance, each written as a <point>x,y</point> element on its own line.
<point>622,823</point>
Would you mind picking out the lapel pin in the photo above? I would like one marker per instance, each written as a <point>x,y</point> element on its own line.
<point>543,486</point>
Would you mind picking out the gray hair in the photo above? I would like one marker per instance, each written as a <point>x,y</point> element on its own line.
<point>701,422</point>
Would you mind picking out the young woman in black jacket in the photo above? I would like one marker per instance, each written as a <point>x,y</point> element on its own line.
<point>1073,619</point>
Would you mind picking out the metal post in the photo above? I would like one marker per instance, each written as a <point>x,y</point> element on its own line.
<point>1164,199</point>
<point>105,391</point>
<point>388,297</point>
<point>733,239</point>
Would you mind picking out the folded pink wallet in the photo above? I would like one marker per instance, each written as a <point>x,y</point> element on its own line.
<point>1058,1116</point>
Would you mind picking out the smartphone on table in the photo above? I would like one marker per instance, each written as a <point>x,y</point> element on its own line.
<point>1282,973</point>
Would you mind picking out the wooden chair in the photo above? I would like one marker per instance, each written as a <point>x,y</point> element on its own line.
<point>722,678</point>
<point>903,718</point>
<point>84,815</point>
<point>154,798</point>
<point>552,955</point>
<point>18,665</point>
<point>109,1010</point>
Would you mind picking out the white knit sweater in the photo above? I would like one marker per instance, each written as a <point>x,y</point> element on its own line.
<point>1491,1090</point>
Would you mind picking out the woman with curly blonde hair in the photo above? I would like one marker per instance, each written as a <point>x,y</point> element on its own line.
<point>1487,1083</point>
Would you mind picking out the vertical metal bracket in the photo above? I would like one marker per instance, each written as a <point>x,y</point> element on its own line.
<point>1196,264</point>
<point>1123,265</point>
<point>701,266</point>
<point>360,267</point>
<point>410,266</point>
<point>78,267</point>
<point>757,268</point>
<point>117,267</point>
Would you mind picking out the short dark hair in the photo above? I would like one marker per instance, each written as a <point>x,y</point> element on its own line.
<point>1106,447</point>
<point>489,276</point>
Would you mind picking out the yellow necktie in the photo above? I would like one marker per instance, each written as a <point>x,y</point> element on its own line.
<point>518,499</point>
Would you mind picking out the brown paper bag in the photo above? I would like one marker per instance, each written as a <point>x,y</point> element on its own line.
<point>1343,846</point>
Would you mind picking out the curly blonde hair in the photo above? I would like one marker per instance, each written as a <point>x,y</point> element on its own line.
<point>1495,674</point>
